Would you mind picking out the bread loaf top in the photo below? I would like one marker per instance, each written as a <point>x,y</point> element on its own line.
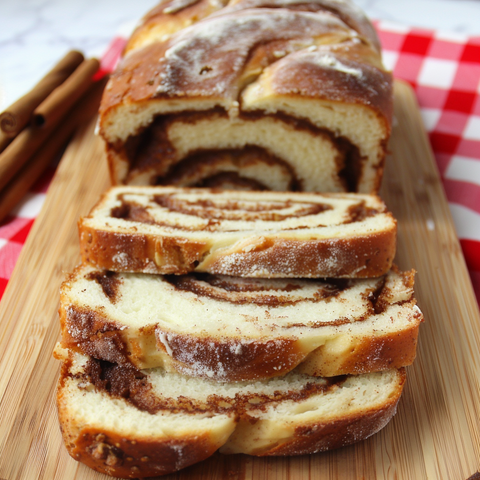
<point>173,15</point>
<point>209,64</point>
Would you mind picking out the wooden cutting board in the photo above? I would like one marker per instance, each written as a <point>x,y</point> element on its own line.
<point>436,432</point>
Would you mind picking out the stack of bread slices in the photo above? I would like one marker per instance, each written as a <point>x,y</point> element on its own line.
<point>237,318</point>
<point>267,323</point>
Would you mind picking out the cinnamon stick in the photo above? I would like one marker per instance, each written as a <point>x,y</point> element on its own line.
<point>83,110</point>
<point>63,97</point>
<point>4,141</point>
<point>17,115</point>
<point>32,137</point>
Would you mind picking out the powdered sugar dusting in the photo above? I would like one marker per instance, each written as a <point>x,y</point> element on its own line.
<point>208,57</point>
<point>177,5</point>
<point>162,336</point>
<point>266,264</point>
<point>214,362</point>
<point>217,4</point>
<point>329,61</point>
<point>121,259</point>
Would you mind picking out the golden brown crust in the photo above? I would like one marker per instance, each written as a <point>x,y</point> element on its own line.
<point>91,333</point>
<point>373,354</point>
<point>361,257</point>
<point>170,17</point>
<point>364,256</point>
<point>169,78</point>
<point>109,453</point>
<point>319,437</point>
<point>346,11</point>
<point>201,356</point>
<point>196,356</point>
<point>139,252</point>
<point>173,15</point>
<point>300,74</point>
<point>207,356</point>
<point>373,90</point>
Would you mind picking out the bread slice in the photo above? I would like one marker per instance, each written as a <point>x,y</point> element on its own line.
<point>230,328</point>
<point>132,424</point>
<point>255,234</point>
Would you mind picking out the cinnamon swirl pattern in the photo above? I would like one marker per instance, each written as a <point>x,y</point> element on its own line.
<point>253,234</point>
<point>235,329</point>
<point>277,94</point>
<point>150,423</point>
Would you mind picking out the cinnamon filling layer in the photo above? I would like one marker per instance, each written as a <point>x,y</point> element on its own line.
<point>282,293</point>
<point>151,150</point>
<point>241,291</point>
<point>221,210</point>
<point>109,282</point>
<point>125,381</point>
<point>227,181</point>
<point>228,167</point>
<point>235,210</point>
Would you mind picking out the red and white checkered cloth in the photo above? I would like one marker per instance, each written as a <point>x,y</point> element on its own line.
<point>445,73</point>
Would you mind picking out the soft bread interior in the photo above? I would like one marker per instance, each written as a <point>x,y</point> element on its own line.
<point>143,299</point>
<point>311,157</point>
<point>362,126</point>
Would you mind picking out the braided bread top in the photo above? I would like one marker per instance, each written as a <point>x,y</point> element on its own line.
<point>203,55</point>
<point>171,16</point>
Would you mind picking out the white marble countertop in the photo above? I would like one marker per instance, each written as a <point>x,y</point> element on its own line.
<point>34,34</point>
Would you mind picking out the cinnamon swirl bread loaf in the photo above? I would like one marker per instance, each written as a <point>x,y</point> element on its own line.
<point>129,423</point>
<point>251,94</point>
<point>254,234</point>
<point>231,328</point>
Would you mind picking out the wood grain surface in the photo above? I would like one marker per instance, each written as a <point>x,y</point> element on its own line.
<point>436,432</point>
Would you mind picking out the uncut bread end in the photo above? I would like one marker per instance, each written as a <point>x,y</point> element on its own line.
<point>300,82</point>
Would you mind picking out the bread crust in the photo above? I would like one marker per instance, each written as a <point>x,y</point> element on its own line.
<point>110,453</point>
<point>366,355</point>
<point>318,437</point>
<point>315,82</point>
<point>137,252</point>
<point>169,17</point>
<point>172,16</point>
<point>363,257</point>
